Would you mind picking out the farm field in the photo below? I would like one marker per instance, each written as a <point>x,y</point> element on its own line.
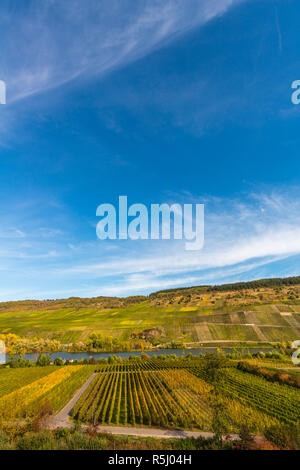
<point>12,379</point>
<point>181,396</point>
<point>169,393</point>
<point>279,401</point>
<point>24,392</point>
<point>201,325</point>
<point>146,398</point>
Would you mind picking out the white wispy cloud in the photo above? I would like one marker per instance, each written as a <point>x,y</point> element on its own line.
<point>58,41</point>
<point>241,238</point>
<point>12,233</point>
<point>263,228</point>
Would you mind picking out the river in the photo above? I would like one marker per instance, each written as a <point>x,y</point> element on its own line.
<point>178,352</point>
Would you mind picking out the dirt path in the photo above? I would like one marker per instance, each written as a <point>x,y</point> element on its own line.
<point>157,433</point>
<point>140,432</point>
<point>61,419</point>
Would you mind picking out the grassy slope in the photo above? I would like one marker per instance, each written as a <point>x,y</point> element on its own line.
<point>201,314</point>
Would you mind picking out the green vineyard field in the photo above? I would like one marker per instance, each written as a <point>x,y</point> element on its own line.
<point>179,395</point>
<point>170,393</point>
<point>159,398</point>
<point>38,387</point>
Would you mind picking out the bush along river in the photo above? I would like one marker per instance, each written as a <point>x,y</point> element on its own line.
<point>178,352</point>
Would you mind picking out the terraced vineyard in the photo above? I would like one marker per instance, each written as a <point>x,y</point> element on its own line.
<point>265,311</point>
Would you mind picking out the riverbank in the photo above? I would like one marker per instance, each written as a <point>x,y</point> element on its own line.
<point>79,356</point>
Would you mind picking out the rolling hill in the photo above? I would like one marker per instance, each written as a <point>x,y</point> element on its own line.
<point>263,311</point>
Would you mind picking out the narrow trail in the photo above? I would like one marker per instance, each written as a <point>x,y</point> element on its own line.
<point>61,419</point>
<point>158,433</point>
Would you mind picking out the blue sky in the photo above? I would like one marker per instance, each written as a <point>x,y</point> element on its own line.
<point>162,101</point>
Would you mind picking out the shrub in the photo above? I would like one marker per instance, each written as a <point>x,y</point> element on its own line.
<point>80,441</point>
<point>58,361</point>
<point>37,441</point>
<point>43,360</point>
<point>62,432</point>
<point>4,441</point>
<point>284,436</point>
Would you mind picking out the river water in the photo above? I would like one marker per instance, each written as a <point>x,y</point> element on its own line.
<point>178,352</point>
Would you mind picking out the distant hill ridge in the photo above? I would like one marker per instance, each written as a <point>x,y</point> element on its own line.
<point>259,283</point>
<point>122,302</point>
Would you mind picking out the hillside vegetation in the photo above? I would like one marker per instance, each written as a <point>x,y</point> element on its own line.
<point>263,311</point>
